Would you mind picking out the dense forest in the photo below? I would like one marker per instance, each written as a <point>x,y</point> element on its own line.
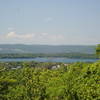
<point>76,81</point>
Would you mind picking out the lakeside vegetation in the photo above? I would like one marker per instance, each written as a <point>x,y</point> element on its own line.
<point>98,50</point>
<point>67,55</point>
<point>77,81</point>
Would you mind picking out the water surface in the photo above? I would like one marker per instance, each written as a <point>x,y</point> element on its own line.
<point>44,59</point>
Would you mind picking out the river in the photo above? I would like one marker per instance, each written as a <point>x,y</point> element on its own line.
<point>44,59</point>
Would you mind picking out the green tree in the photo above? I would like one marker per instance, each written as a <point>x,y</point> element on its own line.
<point>98,50</point>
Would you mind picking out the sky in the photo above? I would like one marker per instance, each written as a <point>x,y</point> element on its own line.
<point>51,22</point>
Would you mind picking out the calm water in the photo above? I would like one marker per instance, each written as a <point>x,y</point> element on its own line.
<point>38,59</point>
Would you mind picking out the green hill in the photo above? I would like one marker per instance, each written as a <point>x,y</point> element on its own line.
<point>20,48</point>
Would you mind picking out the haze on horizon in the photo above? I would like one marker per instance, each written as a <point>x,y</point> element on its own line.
<point>50,22</point>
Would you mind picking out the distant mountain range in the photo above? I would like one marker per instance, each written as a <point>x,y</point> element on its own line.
<point>46,49</point>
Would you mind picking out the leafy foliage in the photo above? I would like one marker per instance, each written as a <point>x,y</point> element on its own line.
<point>78,81</point>
<point>98,50</point>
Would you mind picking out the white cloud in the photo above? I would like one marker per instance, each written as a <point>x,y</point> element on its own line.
<point>20,36</point>
<point>11,34</point>
<point>45,38</point>
<point>32,38</point>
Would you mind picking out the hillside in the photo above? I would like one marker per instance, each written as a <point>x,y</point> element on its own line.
<point>46,49</point>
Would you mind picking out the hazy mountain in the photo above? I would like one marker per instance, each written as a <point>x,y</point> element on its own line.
<point>20,48</point>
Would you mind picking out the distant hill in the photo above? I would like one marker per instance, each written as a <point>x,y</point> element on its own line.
<point>20,48</point>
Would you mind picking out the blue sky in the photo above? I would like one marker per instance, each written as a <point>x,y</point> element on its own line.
<point>50,22</point>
